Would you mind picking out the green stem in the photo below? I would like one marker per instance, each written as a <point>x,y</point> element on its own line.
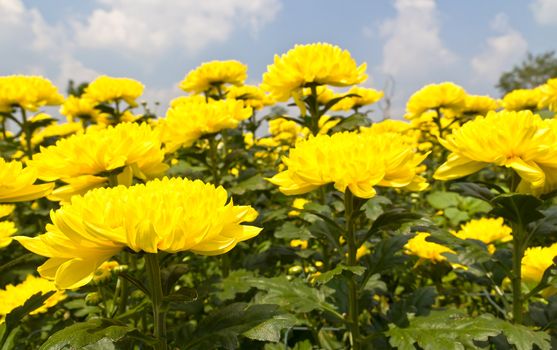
<point>314,111</point>
<point>154,274</point>
<point>353,312</point>
<point>518,254</point>
<point>213,143</point>
<point>27,132</point>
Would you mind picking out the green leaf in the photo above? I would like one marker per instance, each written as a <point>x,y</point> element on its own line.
<point>452,329</point>
<point>92,334</point>
<point>352,122</point>
<point>271,329</point>
<point>374,206</point>
<point>294,295</point>
<point>338,270</point>
<point>289,230</point>
<point>471,189</point>
<point>254,183</point>
<point>517,208</point>
<point>387,255</point>
<point>222,328</point>
<point>442,199</point>
<point>391,220</point>
<point>417,303</point>
<point>235,283</point>
<point>456,216</point>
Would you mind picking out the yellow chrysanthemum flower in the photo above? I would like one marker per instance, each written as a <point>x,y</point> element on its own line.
<point>15,296</point>
<point>319,64</point>
<point>477,104</point>
<point>536,260</point>
<point>252,96</point>
<point>75,108</point>
<point>520,99</point>
<point>299,243</point>
<point>362,251</point>
<point>214,73</point>
<point>548,95</point>
<point>432,96</point>
<point>104,271</point>
<point>517,140</point>
<point>83,160</point>
<point>27,92</point>
<point>487,230</point>
<point>182,215</point>
<point>350,160</point>
<point>17,183</point>
<point>299,204</point>
<point>7,229</point>
<point>366,96</point>
<point>284,129</point>
<point>424,249</point>
<point>106,89</point>
<point>6,209</point>
<point>54,130</point>
<point>191,118</point>
<point>409,134</point>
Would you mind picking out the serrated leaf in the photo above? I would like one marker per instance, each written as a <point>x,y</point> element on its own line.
<point>271,329</point>
<point>289,230</point>
<point>222,328</point>
<point>235,283</point>
<point>339,269</point>
<point>391,219</point>
<point>15,316</point>
<point>452,329</point>
<point>456,215</point>
<point>83,334</point>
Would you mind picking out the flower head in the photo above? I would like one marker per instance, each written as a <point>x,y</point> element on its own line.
<point>212,74</point>
<point>548,95</point>
<point>350,160</point>
<point>106,89</point>
<point>190,118</point>
<point>536,260</point>
<point>27,92</point>
<point>366,96</point>
<point>487,230</point>
<point>15,296</point>
<point>520,99</point>
<point>75,108</point>
<point>444,95</point>
<point>170,215</point>
<point>7,229</point>
<point>83,160</point>
<point>252,96</point>
<point>424,249</point>
<point>517,140</point>
<point>17,183</point>
<point>478,104</point>
<point>319,64</point>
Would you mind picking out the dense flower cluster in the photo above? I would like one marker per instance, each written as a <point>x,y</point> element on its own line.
<point>213,74</point>
<point>181,215</point>
<point>83,161</point>
<point>517,140</point>
<point>351,160</point>
<point>319,64</point>
<point>27,92</point>
<point>191,117</point>
<point>106,89</point>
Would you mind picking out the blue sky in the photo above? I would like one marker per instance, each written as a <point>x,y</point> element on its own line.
<point>414,42</point>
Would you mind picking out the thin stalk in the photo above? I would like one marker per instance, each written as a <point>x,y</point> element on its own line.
<point>353,312</point>
<point>27,132</point>
<point>518,254</point>
<point>155,286</point>
<point>314,111</point>
<point>213,153</point>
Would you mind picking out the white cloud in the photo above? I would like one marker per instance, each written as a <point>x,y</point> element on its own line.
<point>545,11</point>
<point>501,51</point>
<point>413,46</point>
<point>12,11</point>
<point>151,27</point>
